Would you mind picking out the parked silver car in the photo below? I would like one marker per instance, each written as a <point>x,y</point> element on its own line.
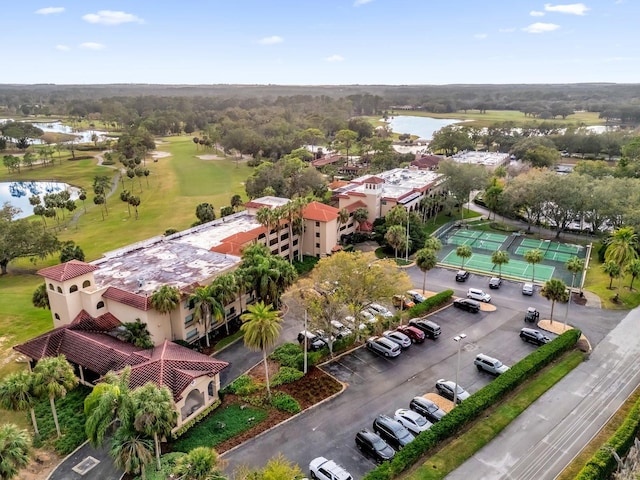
<point>383,346</point>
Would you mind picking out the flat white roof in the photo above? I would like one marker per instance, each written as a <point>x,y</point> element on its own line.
<point>400,181</point>
<point>481,158</point>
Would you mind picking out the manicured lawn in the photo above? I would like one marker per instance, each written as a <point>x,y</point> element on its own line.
<point>431,225</point>
<point>221,425</point>
<point>464,446</point>
<point>598,282</point>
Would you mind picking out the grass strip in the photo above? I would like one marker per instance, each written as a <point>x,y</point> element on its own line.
<point>463,447</point>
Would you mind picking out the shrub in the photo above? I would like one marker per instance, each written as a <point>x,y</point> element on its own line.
<point>306,265</point>
<point>285,402</point>
<point>243,385</point>
<point>430,303</point>
<point>286,375</point>
<point>168,463</point>
<point>286,354</point>
<point>477,403</point>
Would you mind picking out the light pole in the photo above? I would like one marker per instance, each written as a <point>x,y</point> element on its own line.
<point>406,255</point>
<point>459,339</point>
<point>306,341</point>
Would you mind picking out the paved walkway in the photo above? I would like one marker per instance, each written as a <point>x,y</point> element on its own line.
<point>86,455</point>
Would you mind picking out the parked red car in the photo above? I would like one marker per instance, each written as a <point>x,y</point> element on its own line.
<point>415,334</point>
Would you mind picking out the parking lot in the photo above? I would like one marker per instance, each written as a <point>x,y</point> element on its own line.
<point>381,385</point>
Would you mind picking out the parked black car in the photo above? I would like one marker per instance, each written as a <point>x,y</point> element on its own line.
<point>467,304</point>
<point>495,282</point>
<point>373,446</point>
<point>427,408</point>
<point>534,336</point>
<point>392,431</point>
<point>462,275</point>
<point>430,329</point>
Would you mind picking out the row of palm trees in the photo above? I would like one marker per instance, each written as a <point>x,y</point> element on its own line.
<point>265,275</point>
<point>51,378</point>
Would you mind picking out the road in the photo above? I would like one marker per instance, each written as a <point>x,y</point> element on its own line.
<point>379,385</point>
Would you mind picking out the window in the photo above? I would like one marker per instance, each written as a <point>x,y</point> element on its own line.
<point>192,335</point>
<point>73,288</point>
<point>295,242</point>
<point>261,236</point>
<point>317,224</point>
<point>384,202</point>
<point>317,234</point>
<point>100,305</point>
<point>188,320</point>
<point>59,290</point>
<point>57,317</point>
<point>211,388</point>
<point>273,242</point>
<point>284,236</point>
<point>317,245</point>
<point>284,248</point>
<point>50,286</point>
<point>190,304</point>
<point>86,283</point>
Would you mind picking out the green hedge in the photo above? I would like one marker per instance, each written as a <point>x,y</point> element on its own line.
<point>286,375</point>
<point>602,464</point>
<point>474,406</point>
<point>430,303</point>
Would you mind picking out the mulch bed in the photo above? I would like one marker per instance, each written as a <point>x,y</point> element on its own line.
<point>314,387</point>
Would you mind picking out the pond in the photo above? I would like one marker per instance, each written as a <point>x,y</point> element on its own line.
<point>18,193</point>
<point>84,136</point>
<point>423,127</point>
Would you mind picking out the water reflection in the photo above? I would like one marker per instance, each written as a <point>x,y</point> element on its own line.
<point>18,193</point>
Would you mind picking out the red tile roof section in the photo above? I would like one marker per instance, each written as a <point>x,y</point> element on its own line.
<point>355,205</point>
<point>141,302</point>
<point>67,271</point>
<point>173,366</point>
<point>374,180</point>
<point>320,212</point>
<point>103,323</point>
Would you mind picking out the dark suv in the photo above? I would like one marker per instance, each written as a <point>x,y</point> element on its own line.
<point>533,336</point>
<point>467,304</point>
<point>462,275</point>
<point>392,431</point>
<point>430,329</point>
<point>373,446</point>
<point>427,408</point>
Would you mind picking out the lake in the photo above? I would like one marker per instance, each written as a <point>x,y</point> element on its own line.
<point>18,193</point>
<point>423,127</point>
<point>84,136</point>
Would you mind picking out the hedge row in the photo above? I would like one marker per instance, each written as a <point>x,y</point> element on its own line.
<point>602,464</point>
<point>430,303</point>
<point>474,406</point>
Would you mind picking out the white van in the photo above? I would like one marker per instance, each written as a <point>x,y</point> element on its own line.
<point>477,294</point>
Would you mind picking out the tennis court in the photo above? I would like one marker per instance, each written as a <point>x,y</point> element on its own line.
<point>515,268</point>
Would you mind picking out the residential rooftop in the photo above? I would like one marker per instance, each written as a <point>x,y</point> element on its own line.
<point>399,181</point>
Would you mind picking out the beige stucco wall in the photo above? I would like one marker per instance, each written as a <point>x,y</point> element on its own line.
<point>63,302</point>
<point>202,385</point>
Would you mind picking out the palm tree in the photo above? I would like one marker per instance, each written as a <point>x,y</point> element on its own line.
<point>236,201</point>
<point>343,218</point>
<point>201,463</point>
<point>109,401</point>
<point>425,261</point>
<point>433,243</point>
<point>225,290</point>
<point>14,450</point>
<point>125,196</point>
<point>533,257</point>
<point>130,451</point>
<point>612,269</point>
<point>622,246</point>
<point>261,329</point>
<point>464,252</point>
<point>360,215</point>
<point>289,211</point>
<point>205,304</point>
<point>54,378</point>
<point>16,394</point>
<point>265,217</point>
<point>137,334</point>
<point>396,237</point>
<point>155,413</point>
<point>575,265</point>
<point>166,300</point>
<point>556,291</point>
<point>499,258</point>
<point>40,298</point>
<point>299,204</point>
<point>633,269</point>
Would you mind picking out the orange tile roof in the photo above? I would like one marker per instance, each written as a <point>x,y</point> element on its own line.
<point>374,180</point>
<point>67,270</point>
<point>320,212</point>
<point>355,205</point>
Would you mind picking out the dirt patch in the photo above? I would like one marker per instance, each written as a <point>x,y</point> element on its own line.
<point>40,466</point>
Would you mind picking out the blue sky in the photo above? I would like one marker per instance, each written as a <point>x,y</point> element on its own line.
<point>305,42</point>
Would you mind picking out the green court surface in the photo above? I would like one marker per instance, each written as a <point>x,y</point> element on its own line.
<point>460,241</point>
<point>487,245</point>
<point>468,233</point>
<point>493,237</point>
<point>515,268</point>
<point>564,248</point>
<point>558,256</point>
<point>529,242</point>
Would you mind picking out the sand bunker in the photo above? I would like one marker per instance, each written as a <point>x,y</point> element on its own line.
<point>158,154</point>
<point>211,157</point>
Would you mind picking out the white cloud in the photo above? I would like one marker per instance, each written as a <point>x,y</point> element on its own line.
<point>480,36</point>
<point>536,13</point>
<point>92,46</point>
<point>110,17</point>
<point>541,27</point>
<point>62,48</point>
<point>571,8</point>
<point>507,30</point>
<point>272,40</point>
<point>358,3</point>
<point>334,58</point>
<point>49,10</point>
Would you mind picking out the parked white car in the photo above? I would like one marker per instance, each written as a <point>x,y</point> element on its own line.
<point>377,309</point>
